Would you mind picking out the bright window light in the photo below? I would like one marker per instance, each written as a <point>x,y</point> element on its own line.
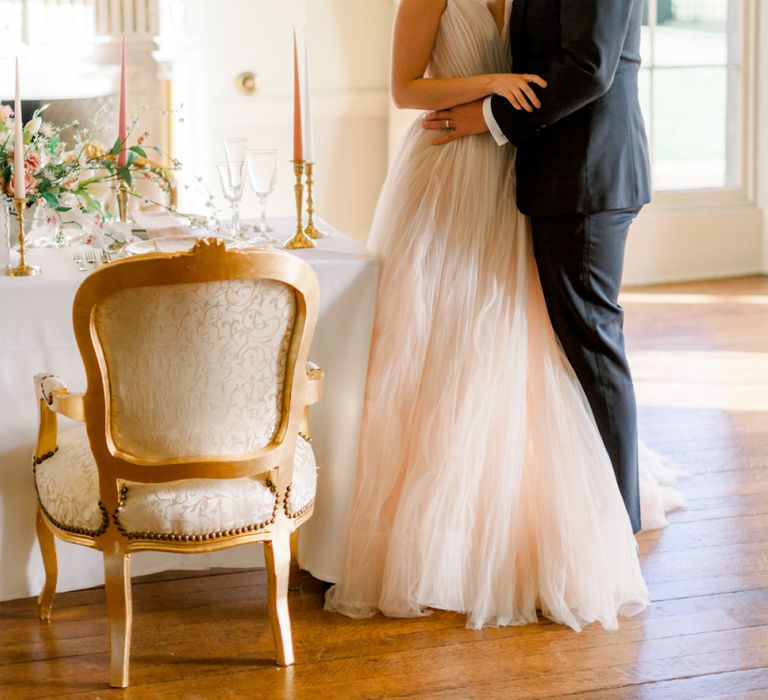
<point>691,92</point>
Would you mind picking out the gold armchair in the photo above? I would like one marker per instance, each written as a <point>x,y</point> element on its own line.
<point>195,434</point>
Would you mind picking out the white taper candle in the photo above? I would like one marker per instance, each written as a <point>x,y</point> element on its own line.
<point>309,129</point>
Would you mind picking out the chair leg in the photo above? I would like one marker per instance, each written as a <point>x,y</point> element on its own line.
<point>117,579</point>
<point>294,582</point>
<point>277,553</point>
<point>47,542</point>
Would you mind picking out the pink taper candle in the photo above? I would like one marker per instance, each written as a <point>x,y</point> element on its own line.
<point>122,125</point>
<point>298,143</point>
<point>19,176</point>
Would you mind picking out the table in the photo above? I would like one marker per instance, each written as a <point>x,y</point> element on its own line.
<point>36,336</point>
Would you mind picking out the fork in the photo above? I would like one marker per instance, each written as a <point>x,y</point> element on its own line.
<point>79,261</point>
<point>90,256</point>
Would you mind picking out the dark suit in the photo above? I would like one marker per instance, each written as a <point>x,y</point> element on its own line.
<point>582,177</point>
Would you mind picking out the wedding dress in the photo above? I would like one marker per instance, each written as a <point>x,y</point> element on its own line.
<point>483,485</point>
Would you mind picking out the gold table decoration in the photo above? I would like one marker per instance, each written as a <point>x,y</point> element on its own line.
<point>312,231</point>
<point>300,239</point>
<point>121,195</point>
<point>22,269</point>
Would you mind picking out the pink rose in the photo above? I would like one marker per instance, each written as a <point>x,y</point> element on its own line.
<point>32,163</point>
<point>5,112</point>
<point>29,180</point>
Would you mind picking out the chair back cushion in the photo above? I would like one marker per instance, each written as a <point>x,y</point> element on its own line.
<point>196,370</point>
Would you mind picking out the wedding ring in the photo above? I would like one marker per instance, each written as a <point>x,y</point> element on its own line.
<point>448,124</point>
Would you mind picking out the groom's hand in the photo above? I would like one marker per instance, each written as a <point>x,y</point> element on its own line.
<point>457,122</point>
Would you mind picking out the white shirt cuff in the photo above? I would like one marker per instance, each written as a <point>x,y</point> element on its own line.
<point>492,124</point>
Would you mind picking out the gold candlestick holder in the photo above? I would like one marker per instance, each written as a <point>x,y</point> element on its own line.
<point>22,269</point>
<point>121,194</point>
<point>300,239</point>
<point>312,231</point>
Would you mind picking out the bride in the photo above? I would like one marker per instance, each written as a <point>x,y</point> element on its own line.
<point>483,484</point>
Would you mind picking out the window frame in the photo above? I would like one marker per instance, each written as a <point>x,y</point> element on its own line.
<point>724,197</point>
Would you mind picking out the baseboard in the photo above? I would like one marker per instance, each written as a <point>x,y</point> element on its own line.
<point>364,104</point>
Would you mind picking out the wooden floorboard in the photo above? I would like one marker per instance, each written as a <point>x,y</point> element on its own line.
<point>705,636</point>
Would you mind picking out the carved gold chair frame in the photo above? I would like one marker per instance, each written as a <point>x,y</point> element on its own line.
<point>209,261</point>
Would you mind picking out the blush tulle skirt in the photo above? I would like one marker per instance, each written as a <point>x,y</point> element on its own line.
<point>483,485</point>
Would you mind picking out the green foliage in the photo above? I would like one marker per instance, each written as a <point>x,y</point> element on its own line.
<point>65,179</point>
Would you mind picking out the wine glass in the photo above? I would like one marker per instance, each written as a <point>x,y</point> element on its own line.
<point>235,149</point>
<point>231,178</point>
<point>261,164</point>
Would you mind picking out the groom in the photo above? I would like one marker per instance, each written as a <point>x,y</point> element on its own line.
<point>582,177</point>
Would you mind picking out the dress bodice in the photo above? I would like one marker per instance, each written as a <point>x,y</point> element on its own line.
<point>468,41</point>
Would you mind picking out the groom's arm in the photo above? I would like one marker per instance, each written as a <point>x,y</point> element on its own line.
<point>592,39</point>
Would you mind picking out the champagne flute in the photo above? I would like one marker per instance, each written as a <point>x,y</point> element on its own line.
<point>232,185</point>
<point>261,164</point>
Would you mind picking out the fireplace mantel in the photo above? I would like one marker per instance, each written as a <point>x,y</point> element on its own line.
<point>70,53</point>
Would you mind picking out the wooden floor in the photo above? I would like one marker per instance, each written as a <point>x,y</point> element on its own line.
<point>700,353</point>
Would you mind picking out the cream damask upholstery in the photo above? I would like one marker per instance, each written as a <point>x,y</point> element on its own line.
<point>175,336</point>
<point>68,489</point>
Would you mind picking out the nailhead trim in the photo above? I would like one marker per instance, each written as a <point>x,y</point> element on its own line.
<point>205,537</point>
<point>298,513</point>
<point>39,460</point>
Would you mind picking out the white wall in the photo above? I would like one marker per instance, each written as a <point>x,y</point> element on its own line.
<point>349,51</point>
<point>694,243</point>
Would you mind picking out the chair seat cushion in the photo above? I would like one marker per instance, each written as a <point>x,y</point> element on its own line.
<point>68,489</point>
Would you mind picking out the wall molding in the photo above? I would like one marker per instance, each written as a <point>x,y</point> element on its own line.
<point>365,104</point>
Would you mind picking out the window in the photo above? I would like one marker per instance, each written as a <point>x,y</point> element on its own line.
<point>692,90</point>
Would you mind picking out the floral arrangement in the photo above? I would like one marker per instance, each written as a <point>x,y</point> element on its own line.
<point>73,179</point>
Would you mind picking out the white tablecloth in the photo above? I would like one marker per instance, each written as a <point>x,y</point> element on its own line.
<point>36,336</point>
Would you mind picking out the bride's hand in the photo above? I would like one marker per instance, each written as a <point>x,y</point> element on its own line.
<point>516,87</point>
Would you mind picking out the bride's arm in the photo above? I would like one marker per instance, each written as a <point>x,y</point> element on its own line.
<point>416,30</point>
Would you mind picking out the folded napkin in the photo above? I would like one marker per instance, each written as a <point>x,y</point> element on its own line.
<point>117,232</point>
<point>160,224</point>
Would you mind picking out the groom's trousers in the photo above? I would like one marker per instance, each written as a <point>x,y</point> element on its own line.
<point>580,259</point>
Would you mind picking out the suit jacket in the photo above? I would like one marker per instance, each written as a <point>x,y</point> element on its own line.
<point>585,150</point>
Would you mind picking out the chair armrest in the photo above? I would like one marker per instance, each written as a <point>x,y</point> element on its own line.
<point>53,391</point>
<point>316,381</point>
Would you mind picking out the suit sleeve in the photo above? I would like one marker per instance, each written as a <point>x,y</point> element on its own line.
<point>592,35</point>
